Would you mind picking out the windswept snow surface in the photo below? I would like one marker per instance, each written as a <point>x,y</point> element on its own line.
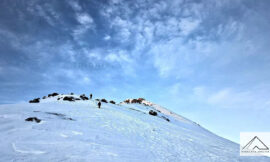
<point>79,131</point>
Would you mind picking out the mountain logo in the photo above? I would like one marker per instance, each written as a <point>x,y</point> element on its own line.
<point>255,144</point>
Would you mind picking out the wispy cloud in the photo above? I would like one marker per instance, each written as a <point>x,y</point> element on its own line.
<point>75,5</point>
<point>231,98</point>
<point>107,37</point>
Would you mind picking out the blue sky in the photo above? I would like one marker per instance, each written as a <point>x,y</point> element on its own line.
<point>206,60</point>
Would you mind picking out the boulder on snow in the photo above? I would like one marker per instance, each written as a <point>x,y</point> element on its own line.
<point>53,94</point>
<point>44,97</point>
<point>112,102</point>
<point>68,98</point>
<point>152,112</point>
<point>83,97</point>
<point>36,100</point>
<point>134,101</point>
<point>104,100</point>
<point>139,100</point>
<point>33,119</point>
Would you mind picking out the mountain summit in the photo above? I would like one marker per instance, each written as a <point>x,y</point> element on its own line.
<point>72,128</point>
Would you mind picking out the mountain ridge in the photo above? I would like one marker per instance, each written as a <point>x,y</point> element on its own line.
<point>55,129</point>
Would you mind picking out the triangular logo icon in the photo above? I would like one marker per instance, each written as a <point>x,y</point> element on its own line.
<point>255,144</point>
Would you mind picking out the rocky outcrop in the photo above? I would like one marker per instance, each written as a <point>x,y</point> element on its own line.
<point>104,100</point>
<point>36,100</point>
<point>83,97</point>
<point>152,112</point>
<point>53,94</point>
<point>112,102</point>
<point>68,98</point>
<point>33,119</point>
<point>139,100</point>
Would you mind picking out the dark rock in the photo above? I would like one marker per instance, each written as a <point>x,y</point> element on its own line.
<point>83,97</point>
<point>97,99</point>
<point>134,101</point>
<point>68,98</point>
<point>53,94</point>
<point>139,100</point>
<point>112,102</point>
<point>33,119</point>
<point>104,100</point>
<point>44,97</point>
<point>152,112</point>
<point>71,93</point>
<point>36,100</point>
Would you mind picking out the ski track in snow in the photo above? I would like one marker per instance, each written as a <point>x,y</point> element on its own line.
<point>123,132</point>
<point>28,151</point>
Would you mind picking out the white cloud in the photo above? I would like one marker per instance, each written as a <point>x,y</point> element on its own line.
<point>43,14</point>
<point>107,37</point>
<point>230,98</point>
<point>175,58</point>
<point>86,23</point>
<point>67,50</point>
<point>45,11</point>
<point>94,54</point>
<point>86,80</point>
<point>221,97</point>
<point>122,59</point>
<point>116,1</point>
<point>112,58</point>
<point>72,75</point>
<point>187,25</point>
<point>84,19</point>
<point>124,27</point>
<point>118,56</point>
<point>75,5</point>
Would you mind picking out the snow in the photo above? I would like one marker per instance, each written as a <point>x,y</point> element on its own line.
<point>124,132</point>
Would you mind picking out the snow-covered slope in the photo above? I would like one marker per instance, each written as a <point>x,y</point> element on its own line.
<point>79,131</point>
